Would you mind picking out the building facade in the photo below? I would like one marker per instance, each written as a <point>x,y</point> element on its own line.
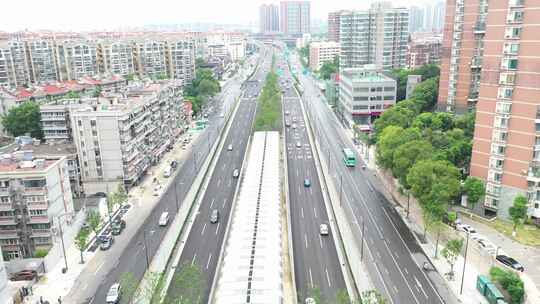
<point>116,57</point>
<point>78,59</point>
<point>333,25</point>
<point>181,60</point>
<point>295,17</point>
<point>151,58</point>
<point>364,94</point>
<point>376,36</point>
<point>34,192</point>
<point>321,52</point>
<point>5,296</point>
<point>119,137</point>
<point>462,54</point>
<point>506,145</point>
<point>42,61</point>
<point>424,51</point>
<point>268,18</point>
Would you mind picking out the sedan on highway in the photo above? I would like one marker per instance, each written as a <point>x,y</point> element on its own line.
<point>323,229</point>
<point>307,182</point>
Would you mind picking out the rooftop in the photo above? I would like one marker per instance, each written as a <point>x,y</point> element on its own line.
<point>24,162</point>
<point>368,73</point>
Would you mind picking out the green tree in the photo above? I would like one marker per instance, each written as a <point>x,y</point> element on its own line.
<point>372,297</point>
<point>199,62</point>
<point>150,292</point>
<point>81,241</point>
<point>315,294</point>
<point>130,77</point>
<point>518,212</point>
<point>391,138</point>
<point>451,252</point>
<point>23,119</point>
<point>97,91</point>
<point>475,189</point>
<point>207,88</point>
<point>427,93</point>
<point>406,155</point>
<point>129,285</point>
<point>189,286</point>
<point>399,115</point>
<point>511,282</point>
<point>73,95</point>
<point>328,68</point>
<point>342,297</point>
<point>120,196</point>
<point>94,220</point>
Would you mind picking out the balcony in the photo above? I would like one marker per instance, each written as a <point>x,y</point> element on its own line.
<point>476,63</point>
<point>9,233</point>
<point>5,191</point>
<point>38,219</point>
<point>41,205</point>
<point>6,206</point>
<point>8,220</point>
<point>36,190</point>
<point>53,118</point>
<point>479,28</point>
<point>41,233</point>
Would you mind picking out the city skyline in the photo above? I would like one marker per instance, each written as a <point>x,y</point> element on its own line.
<point>65,15</point>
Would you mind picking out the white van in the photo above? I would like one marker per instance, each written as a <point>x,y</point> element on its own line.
<point>167,171</point>
<point>164,219</point>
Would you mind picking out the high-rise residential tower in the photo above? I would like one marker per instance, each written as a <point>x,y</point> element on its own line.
<point>268,18</point>
<point>376,36</point>
<point>333,25</point>
<point>295,17</point>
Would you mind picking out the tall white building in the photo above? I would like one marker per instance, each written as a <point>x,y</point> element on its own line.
<point>42,61</point>
<point>377,36</point>
<point>295,17</point>
<point>77,59</point>
<point>151,58</point>
<point>268,18</point>
<point>181,60</point>
<point>5,297</point>
<point>116,57</point>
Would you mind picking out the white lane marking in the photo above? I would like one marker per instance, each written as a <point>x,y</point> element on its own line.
<point>209,259</point>
<point>401,272</point>
<point>212,203</point>
<point>320,241</point>
<point>311,190</point>
<point>406,270</point>
<point>101,265</point>
<point>305,238</point>
<point>224,202</point>
<point>328,278</point>
<point>193,260</point>
<point>230,183</point>
<point>299,189</point>
<point>384,283</point>
<point>297,172</point>
<point>217,228</point>
<point>421,288</point>
<point>395,289</point>
<point>204,227</point>
<point>84,286</point>
<point>315,212</point>
<point>302,212</point>
<point>310,278</point>
<point>219,182</point>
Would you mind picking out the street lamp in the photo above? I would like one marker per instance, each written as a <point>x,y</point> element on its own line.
<point>58,217</point>
<point>146,248</point>
<point>464,263</point>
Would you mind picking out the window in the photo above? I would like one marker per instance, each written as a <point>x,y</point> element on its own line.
<point>37,212</point>
<point>512,33</point>
<point>34,183</point>
<point>509,63</point>
<point>79,122</point>
<point>4,199</point>
<point>93,123</point>
<point>515,17</point>
<point>507,78</point>
<point>499,135</point>
<point>389,89</point>
<point>496,163</point>
<point>503,107</point>
<point>498,149</point>
<point>361,98</point>
<point>505,93</point>
<point>511,48</point>
<point>388,97</point>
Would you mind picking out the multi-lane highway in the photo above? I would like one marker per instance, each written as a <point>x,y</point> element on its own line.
<point>128,254</point>
<point>316,264</point>
<point>393,257</point>
<point>205,239</point>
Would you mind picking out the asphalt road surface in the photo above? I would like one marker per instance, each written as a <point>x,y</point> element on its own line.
<point>129,254</point>
<point>205,239</point>
<point>393,256</point>
<point>316,263</point>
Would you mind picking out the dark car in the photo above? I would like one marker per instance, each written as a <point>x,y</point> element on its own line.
<point>174,164</point>
<point>23,275</point>
<point>100,194</point>
<point>106,242</point>
<point>510,262</point>
<point>117,226</point>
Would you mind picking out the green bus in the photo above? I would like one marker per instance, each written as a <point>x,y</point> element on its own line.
<point>349,158</point>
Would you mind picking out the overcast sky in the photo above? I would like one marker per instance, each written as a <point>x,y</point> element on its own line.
<point>110,14</point>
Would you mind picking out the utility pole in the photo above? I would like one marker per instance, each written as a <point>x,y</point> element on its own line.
<point>145,249</point>
<point>176,197</point>
<point>63,246</point>
<point>340,189</point>
<point>408,202</point>
<point>464,263</point>
<point>362,246</point>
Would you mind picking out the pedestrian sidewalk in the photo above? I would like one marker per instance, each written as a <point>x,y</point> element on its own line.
<point>55,284</point>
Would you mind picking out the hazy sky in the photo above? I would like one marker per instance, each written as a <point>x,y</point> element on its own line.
<point>109,14</point>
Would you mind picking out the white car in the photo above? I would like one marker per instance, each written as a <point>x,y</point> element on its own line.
<point>157,190</point>
<point>323,229</point>
<point>487,246</point>
<point>465,228</point>
<point>113,296</point>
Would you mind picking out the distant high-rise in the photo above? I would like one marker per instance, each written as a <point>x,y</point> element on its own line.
<point>333,25</point>
<point>416,19</point>
<point>295,17</point>
<point>426,18</point>
<point>438,16</point>
<point>268,18</point>
<point>376,36</point>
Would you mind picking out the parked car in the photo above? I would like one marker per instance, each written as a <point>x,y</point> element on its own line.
<point>510,262</point>
<point>465,228</point>
<point>174,164</point>
<point>106,242</point>
<point>164,219</point>
<point>298,144</point>
<point>23,275</point>
<point>114,294</point>
<point>157,190</point>
<point>310,301</point>
<point>236,173</point>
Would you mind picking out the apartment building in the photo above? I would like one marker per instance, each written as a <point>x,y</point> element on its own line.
<point>42,61</point>
<point>321,52</point>
<point>34,192</point>
<point>462,54</point>
<point>5,295</point>
<point>151,58</point>
<point>506,146</point>
<point>424,51</point>
<point>294,17</point>
<point>333,25</point>
<point>268,18</point>
<point>119,136</point>
<point>364,94</point>
<point>7,77</point>
<point>377,36</point>
<point>181,60</point>
<point>77,59</point>
<point>116,57</point>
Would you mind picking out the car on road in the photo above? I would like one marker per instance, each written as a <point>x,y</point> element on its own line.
<point>487,246</point>
<point>287,123</point>
<point>106,242</point>
<point>174,164</point>
<point>236,173</point>
<point>323,229</point>
<point>157,190</point>
<point>298,144</point>
<point>164,219</point>
<point>510,262</point>
<point>229,148</point>
<point>294,126</point>
<point>117,226</point>
<point>214,216</point>
<point>310,301</point>
<point>205,115</point>
<point>465,228</point>
<point>23,275</point>
<point>167,172</point>
<point>287,112</point>
<point>114,294</point>
<point>294,119</point>
<point>307,182</point>
<point>221,115</point>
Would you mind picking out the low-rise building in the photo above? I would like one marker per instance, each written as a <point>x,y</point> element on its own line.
<point>412,82</point>
<point>364,94</point>
<point>423,51</point>
<point>321,52</point>
<point>34,192</point>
